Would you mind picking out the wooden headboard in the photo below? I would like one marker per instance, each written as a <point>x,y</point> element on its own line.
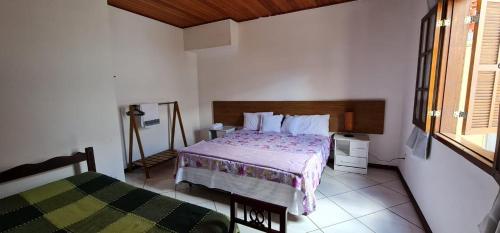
<point>368,114</point>
<point>26,170</point>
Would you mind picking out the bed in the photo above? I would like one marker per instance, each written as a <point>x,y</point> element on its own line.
<point>276,167</point>
<point>93,202</point>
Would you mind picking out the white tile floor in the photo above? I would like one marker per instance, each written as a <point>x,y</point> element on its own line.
<point>347,202</point>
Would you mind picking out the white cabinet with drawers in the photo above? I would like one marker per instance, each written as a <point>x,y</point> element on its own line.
<point>351,153</point>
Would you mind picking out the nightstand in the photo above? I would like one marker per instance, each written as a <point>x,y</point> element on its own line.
<point>217,133</point>
<point>351,153</point>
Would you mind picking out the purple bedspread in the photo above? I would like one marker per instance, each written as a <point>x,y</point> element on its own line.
<point>297,161</point>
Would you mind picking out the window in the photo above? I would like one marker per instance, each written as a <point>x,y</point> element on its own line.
<point>464,77</point>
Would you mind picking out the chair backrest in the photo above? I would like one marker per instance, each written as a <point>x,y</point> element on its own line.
<point>257,214</point>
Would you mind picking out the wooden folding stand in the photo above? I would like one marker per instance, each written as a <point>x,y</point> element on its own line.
<point>150,161</point>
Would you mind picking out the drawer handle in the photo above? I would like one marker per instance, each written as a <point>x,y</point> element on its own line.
<point>342,161</point>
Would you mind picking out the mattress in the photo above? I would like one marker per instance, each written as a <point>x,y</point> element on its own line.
<point>92,202</point>
<point>277,160</point>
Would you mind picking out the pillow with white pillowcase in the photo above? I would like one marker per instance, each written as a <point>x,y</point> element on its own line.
<point>288,124</point>
<point>251,120</point>
<point>307,124</point>
<point>271,123</point>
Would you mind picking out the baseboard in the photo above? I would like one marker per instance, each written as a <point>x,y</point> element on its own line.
<point>421,216</point>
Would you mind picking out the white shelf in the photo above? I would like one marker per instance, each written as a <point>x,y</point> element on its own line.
<point>351,153</point>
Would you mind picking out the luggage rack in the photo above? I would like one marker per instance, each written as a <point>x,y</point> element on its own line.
<point>158,158</point>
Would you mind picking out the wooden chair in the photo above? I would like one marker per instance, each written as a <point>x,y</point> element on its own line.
<point>257,214</point>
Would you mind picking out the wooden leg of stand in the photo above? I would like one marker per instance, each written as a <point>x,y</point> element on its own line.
<point>178,111</point>
<point>139,143</point>
<point>172,135</point>
<point>130,143</point>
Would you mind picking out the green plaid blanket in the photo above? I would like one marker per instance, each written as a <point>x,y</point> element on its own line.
<point>92,202</point>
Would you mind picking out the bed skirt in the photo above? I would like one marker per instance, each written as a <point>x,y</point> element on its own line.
<point>259,189</point>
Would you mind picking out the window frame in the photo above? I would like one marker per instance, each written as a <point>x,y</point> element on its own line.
<point>441,49</point>
<point>423,88</point>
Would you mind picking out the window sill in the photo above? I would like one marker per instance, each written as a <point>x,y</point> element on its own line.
<point>473,157</point>
<point>488,156</point>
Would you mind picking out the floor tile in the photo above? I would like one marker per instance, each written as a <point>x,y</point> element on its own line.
<point>330,186</point>
<point>299,224</point>
<point>352,226</point>
<point>135,178</point>
<point>319,195</point>
<point>336,173</point>
<point>329,171</point>
<point>165,169</point>
<point>245,229</point>
<point>223,208</point>
<point>387,222</point>
<point>160,185</point>
<point>407,212</point>
<point>356,204</point>
<point>355,181</point>
<point>208,205</point>
<point>168,194</point>
<point>384,196</point>
<point>195,195</point>
<point>328,213</point>
<point>397,186</point>
<point>336,206</point>
<point>382,175</point>
<point>222,197</point>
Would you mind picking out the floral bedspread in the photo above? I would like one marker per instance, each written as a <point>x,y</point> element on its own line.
<point>307,145</point>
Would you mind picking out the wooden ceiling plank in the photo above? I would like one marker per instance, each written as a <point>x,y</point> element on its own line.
<point>236,10</point>
<point>283,5</point>
<point>275,10</point>
<point>172,11</point>
<point>294,4</point>
<point>308,3</point>
<point>324,2</point>
<point>144,10</point>
<point>197,8</point>
<point>188,13</point>
<point>252,5</point>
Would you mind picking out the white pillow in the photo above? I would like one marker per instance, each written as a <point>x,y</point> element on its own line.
<point>271,123</point>
<point>288,124</point>
<point>251,121</point>
<point>307,124</point>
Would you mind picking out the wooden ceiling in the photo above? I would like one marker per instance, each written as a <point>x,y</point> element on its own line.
<point>188,13</point>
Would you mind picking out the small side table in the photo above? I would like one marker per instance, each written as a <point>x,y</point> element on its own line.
<point>217,133</point>
<point>351,153</point>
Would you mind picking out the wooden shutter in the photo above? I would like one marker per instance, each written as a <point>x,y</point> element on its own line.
<point>484,93</point>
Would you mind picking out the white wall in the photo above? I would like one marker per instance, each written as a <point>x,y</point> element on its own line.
<point>453,194</point>
<point>56,88</point>
<point>150,65</point>
<point>211,35</point>
<point>355,50</point>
